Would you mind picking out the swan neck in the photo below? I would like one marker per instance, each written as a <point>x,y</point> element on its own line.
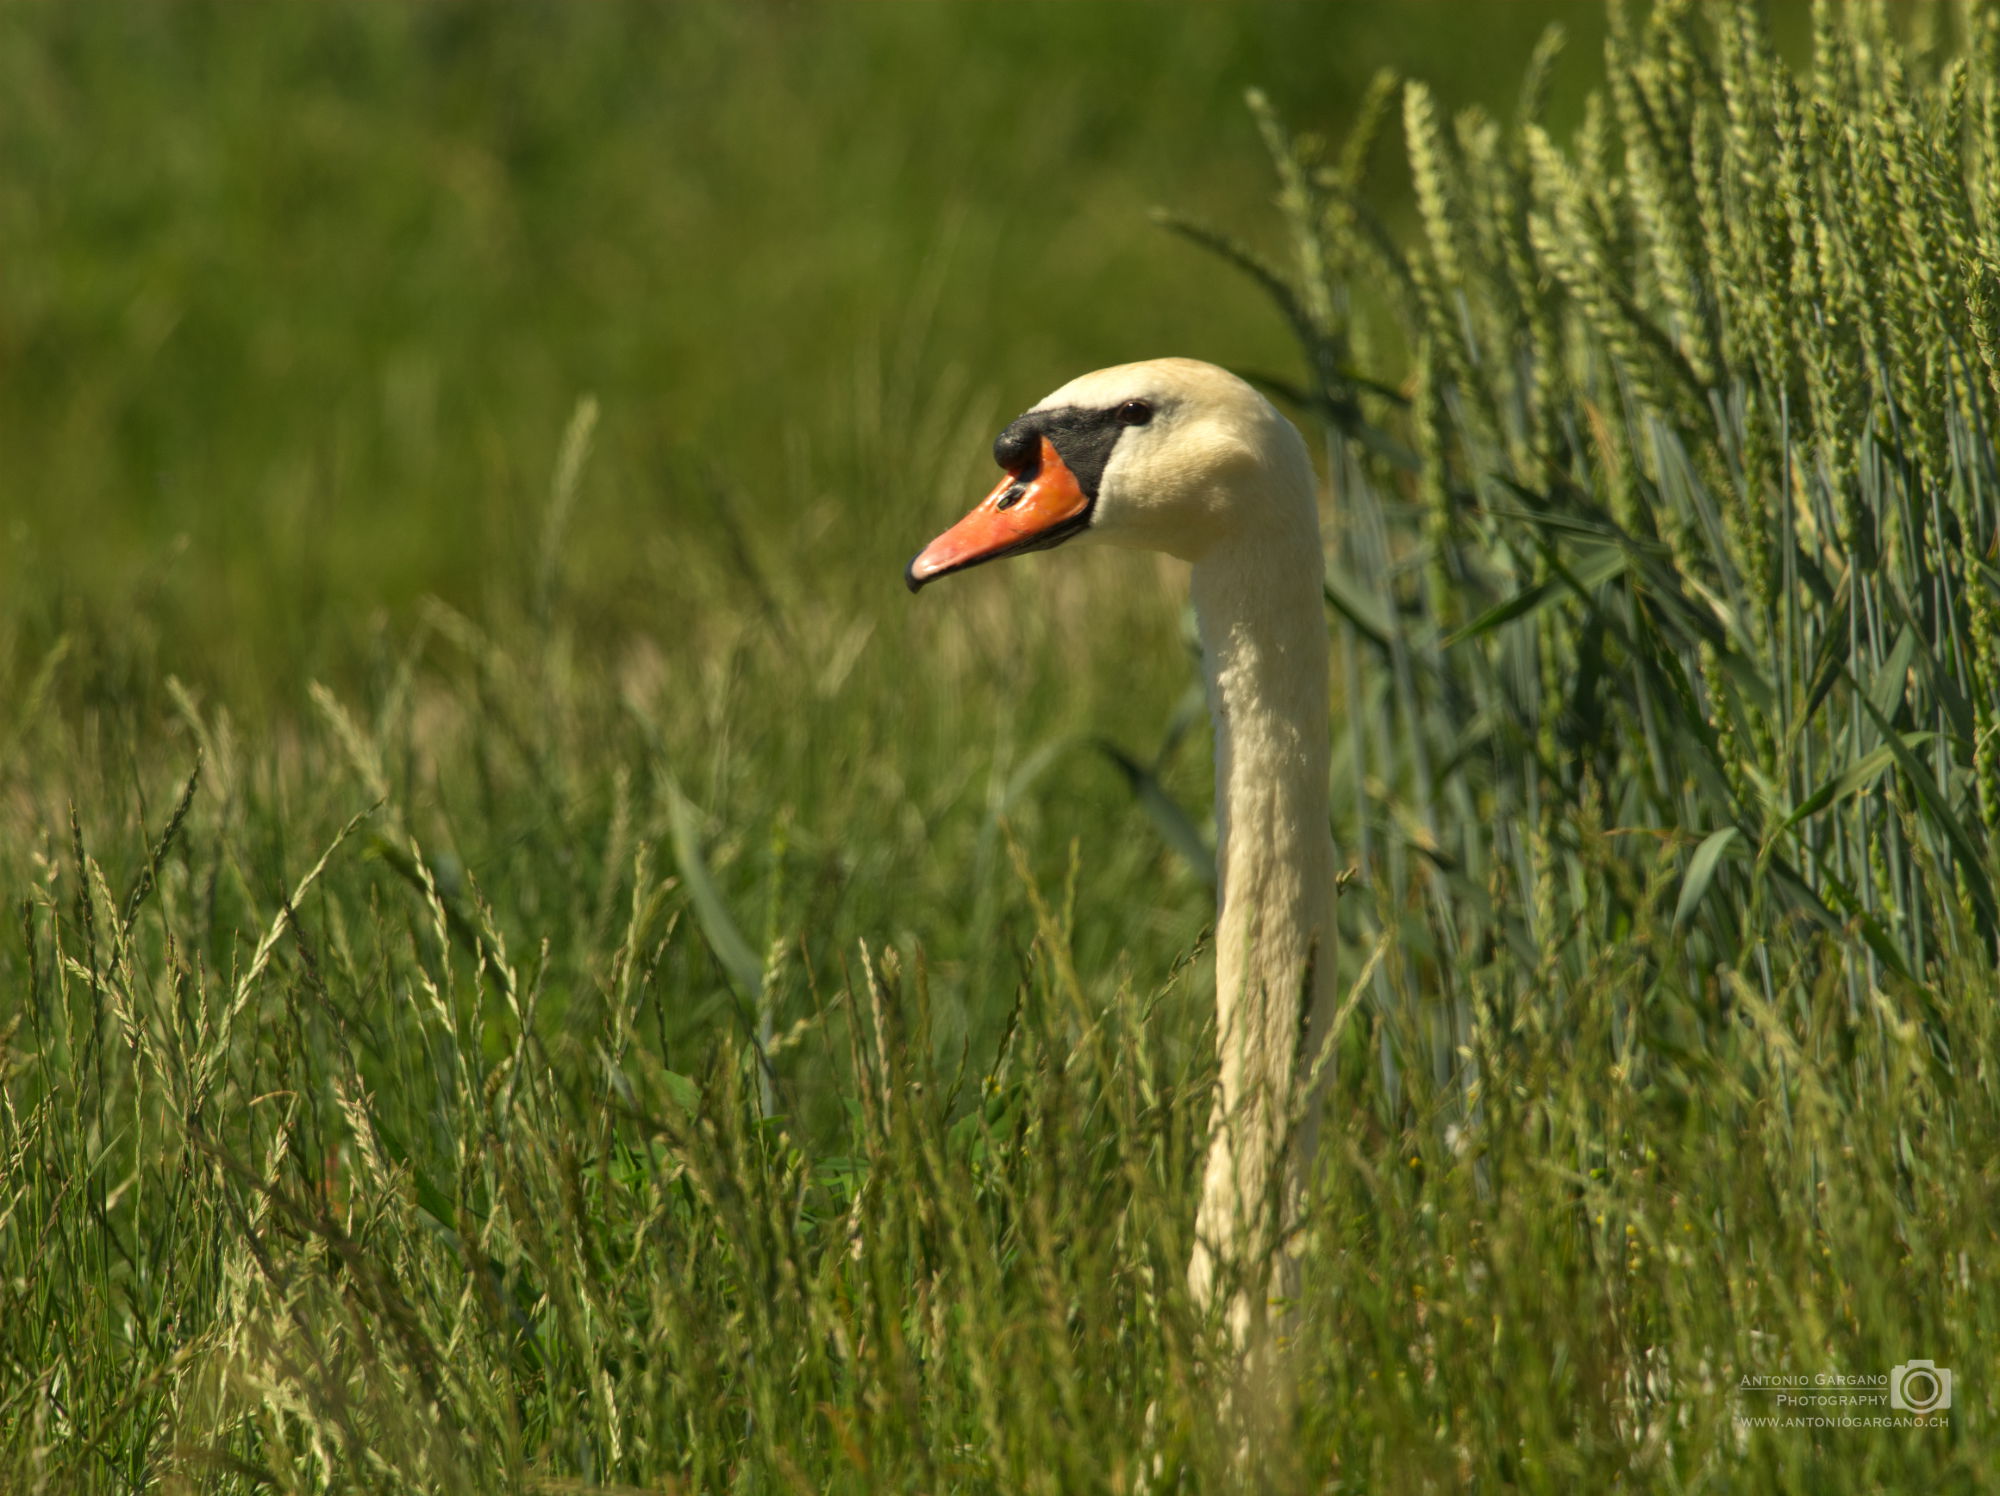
<point>1264,648</point>
<point>1265,651</point>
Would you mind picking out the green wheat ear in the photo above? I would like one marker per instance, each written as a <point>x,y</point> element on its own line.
<point>1741,325</point>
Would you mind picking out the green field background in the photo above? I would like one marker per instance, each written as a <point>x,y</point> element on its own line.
<point>298,299</point>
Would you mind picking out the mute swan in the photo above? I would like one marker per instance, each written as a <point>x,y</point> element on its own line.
<point>1180,456</point>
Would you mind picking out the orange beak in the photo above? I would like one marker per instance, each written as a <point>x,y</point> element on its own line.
<point>1032,508</point>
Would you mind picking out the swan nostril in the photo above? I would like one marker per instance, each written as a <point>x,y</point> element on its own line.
<point>1018,449</point>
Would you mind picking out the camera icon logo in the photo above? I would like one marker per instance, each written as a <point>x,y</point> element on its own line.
<point>1920,1387</point>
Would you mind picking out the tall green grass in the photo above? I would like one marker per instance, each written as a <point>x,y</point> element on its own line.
<point>768,1051</point>
<point>1696,473</point>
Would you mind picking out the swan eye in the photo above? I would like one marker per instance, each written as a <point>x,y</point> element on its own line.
<point>1134,413</point>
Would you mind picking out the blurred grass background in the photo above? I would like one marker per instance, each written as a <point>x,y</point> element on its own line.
<point>297,302</point>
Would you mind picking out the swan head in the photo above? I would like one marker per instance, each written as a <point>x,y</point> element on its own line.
<point>1169,455</point>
